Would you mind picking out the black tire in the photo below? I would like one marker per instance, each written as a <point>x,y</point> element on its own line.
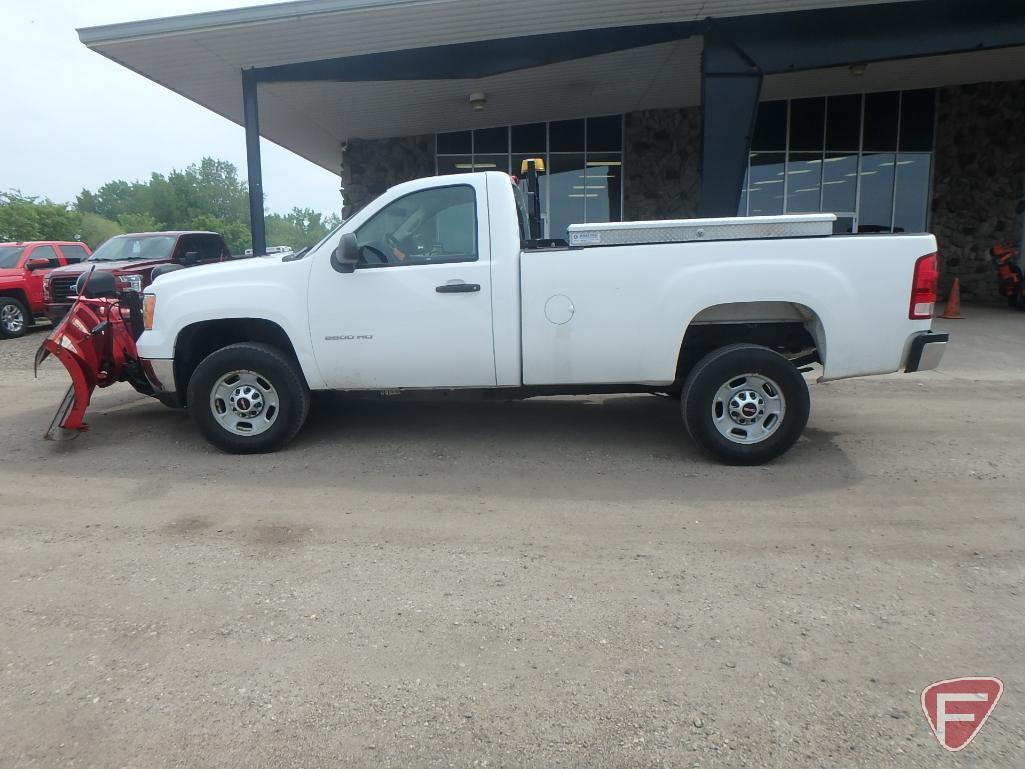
<point>265,363</point>
<point>700,401</point>
<point>14,318</point>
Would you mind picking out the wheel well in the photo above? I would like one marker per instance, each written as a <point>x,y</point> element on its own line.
<point>196,342</point>
<point>792,330</point>
<point>17,293</point>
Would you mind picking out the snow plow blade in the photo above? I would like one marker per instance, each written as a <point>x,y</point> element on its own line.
<point>79,348</point>
<point>95,342</point>
<point>97,348</point>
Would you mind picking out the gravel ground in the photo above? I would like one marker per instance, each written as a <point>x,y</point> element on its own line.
<point>563,582</point>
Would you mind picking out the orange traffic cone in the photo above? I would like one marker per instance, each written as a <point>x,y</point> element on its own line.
<point>953,309</point>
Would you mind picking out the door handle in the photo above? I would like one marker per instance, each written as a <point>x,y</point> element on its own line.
<point>458,288</point>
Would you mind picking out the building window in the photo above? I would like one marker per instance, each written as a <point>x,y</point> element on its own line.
<point>584,159</point>
<point>867,158</point>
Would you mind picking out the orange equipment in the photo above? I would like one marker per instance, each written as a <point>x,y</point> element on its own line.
<point>1009,274</point>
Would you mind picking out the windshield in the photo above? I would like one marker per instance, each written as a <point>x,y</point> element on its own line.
<point>331,235</point>
<point>9,255</point>
<point>135,247</point>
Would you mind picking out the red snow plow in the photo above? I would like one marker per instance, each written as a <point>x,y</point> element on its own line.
<point>95,342</point>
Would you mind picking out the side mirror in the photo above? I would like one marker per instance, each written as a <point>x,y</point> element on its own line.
<point>37,264</point>
<point>345,258</point>
<point>190,258</point>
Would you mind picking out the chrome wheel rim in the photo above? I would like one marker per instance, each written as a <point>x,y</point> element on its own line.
<point>244,403</point>
<point>12,318</point>
<point>748,409</point>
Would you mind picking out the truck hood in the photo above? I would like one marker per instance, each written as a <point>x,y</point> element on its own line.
<point>11,273</point>
<point>231,272</point>
<point>124,265</point>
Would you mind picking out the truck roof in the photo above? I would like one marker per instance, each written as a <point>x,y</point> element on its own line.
<point>43,242</point>
<point>176,233</point>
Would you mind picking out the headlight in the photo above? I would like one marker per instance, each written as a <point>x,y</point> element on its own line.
<point>131,282</point>
<point>46,289</point>
<point>149,308</point>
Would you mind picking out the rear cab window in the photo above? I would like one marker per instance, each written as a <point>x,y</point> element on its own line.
<point>210,248</point>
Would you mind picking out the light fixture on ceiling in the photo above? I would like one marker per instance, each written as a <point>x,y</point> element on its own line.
<point>857,70</point>
<point>478,100</point>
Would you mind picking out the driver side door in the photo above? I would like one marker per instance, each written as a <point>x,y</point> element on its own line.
<point>34,278</point>
<point>416,312</point>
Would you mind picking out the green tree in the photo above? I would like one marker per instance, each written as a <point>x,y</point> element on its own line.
<point>139,223</point>
<point>208,195</point>
<point>219,191</point>
<point>167,200</point>
<point>235,234</point>
<point>114,199</point>
<point>299,228</point>
<point>96,229</point>
<point>30,218</point>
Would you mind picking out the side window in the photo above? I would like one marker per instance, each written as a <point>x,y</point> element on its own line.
<point>208,246</point>
<point>73,254</point>
<point>435,226</point>
<point>182,247</point>
<point>45,252</point>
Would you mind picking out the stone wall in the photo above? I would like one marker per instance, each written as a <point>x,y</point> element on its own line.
<point>661,165</point>
<point>371,166</point>
<point>661,178</point>
<point>979,181</point>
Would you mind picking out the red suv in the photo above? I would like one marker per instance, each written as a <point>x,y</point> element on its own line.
<point>132,258</point>
<point>23,266</point>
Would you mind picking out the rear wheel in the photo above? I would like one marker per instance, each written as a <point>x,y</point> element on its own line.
<point>14,318</point>
<point>248,398</point>
<point>745,404</point>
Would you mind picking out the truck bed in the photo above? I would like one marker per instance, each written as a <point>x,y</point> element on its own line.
<point>618,314</point>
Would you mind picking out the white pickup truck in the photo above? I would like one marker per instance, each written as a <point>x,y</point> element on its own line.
<point>436,286</point>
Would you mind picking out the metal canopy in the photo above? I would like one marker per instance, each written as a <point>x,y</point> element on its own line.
<point>200,56</point>
<point>481,58</point>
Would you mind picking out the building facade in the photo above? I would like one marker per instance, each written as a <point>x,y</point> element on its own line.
<point>947,160</point>
<point>897,115</point>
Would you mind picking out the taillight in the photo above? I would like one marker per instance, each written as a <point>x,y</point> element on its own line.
<point>923,287</point>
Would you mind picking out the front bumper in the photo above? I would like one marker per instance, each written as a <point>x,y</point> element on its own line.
<point>56,312</point>
<point>926,351</point>
<point>160,374</point>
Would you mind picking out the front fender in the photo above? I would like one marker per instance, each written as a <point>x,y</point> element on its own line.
<point>259,290</point>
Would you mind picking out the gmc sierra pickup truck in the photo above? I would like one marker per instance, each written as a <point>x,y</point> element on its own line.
<point>132,258</point>
<point>439,285</point>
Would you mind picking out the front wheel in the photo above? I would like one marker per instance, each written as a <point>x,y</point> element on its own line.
<point>745,404</point>
<point>248,398</point>
<point>14,318</point>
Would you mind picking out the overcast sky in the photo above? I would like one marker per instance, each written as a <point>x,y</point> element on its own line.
<point>73,119</point>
